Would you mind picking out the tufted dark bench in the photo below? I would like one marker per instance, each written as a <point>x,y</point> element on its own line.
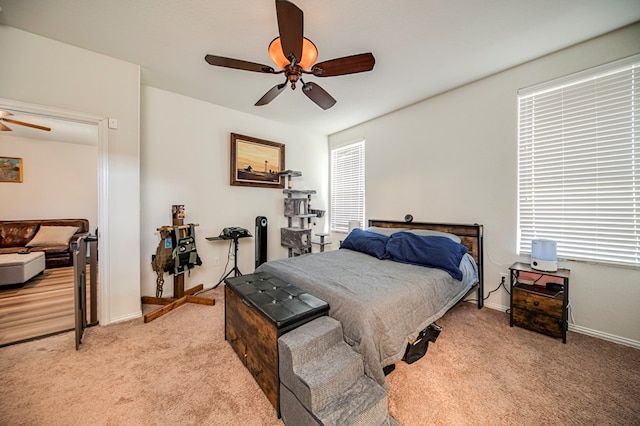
<point>259,308</point>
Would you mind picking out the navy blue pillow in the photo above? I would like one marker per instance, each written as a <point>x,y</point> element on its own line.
<point>366,242</point>
<point>434,252</point>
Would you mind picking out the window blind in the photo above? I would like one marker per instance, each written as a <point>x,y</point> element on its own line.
<point>347,186</point>
<point>579,164</point>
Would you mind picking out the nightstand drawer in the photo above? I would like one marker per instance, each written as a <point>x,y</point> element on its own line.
<point>537,322</point>
<point>536,307</point>
<point>537,303</point>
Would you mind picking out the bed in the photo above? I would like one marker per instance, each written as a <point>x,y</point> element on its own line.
<point>384,303</point>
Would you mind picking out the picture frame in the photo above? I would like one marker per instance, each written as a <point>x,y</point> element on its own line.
<point>256,162</point>
<point>11,169</point>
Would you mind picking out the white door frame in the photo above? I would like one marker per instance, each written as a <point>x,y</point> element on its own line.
<point>103,186</point>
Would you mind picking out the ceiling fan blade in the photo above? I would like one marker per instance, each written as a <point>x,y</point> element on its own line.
<point>22,123</point>
<point>271,94</point>
<point>238,64</point>
<point>347,65</point>
<point>4,128</point>
<point>291,28</point>
<point>318,95</point>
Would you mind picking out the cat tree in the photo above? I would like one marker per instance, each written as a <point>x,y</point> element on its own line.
<point>297,209</point>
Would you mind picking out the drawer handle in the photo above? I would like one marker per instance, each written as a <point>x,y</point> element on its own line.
<point>256,373</point>
<point>536,303</point>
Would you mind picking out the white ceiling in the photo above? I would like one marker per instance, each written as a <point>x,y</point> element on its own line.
<point>422,47</point>
<point>62,130</point>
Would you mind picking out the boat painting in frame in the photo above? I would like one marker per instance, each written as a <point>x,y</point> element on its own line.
<point>256,162</point>
<point>10,169</point>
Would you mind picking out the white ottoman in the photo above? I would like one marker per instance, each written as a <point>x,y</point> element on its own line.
<point>18,268</point>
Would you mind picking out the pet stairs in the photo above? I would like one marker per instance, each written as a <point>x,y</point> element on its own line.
<point>322,380</point>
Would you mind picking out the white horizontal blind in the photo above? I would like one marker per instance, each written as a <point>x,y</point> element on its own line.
<point>579,164</point>
<point>347,186</point>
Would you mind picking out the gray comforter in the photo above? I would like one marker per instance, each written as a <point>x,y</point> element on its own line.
<point>381,304</point>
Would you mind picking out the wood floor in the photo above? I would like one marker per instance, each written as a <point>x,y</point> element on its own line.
<point>40,307</point>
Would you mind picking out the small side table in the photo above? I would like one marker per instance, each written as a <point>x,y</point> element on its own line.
<point>535,306</point>
<point>236,271</point>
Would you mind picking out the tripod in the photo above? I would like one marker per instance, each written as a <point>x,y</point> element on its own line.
<point>235,263</point>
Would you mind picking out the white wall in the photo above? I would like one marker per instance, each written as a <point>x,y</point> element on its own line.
<point>177,130</point>
<point>44,72</point>
<point>453,158</point>
<point>450,158</point>
<point>185,159</point>
<point>60,180</point>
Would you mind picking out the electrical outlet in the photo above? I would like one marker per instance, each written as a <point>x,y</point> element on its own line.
<point>504,278</point>
<point>216,261</point>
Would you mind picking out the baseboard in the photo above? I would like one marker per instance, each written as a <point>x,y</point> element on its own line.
<point>582,330</point>
<point>133,315</point>
<point>604,336</point>
<point>496,307</point>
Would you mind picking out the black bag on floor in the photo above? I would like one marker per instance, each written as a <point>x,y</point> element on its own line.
<point>418,348</point>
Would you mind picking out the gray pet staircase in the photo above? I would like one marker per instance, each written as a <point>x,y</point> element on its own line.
<point>322,380</point>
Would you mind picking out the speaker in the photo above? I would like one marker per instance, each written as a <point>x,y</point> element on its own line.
<point>261,240</point>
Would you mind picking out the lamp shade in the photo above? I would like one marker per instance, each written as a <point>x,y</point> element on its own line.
<point>309,54</point>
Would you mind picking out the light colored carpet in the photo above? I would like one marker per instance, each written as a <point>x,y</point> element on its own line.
<point>179,369</point>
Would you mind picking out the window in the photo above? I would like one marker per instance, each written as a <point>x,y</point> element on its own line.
<point>579,164</point>
<point>347,186</point>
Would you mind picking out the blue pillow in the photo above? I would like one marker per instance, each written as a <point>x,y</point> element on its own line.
<point>366,242</point>
<point>431,251</point>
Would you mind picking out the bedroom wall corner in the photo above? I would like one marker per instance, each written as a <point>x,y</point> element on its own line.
<point>454,157</point>
<point>185,159</point>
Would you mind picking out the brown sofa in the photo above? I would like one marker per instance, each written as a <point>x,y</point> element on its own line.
<point>18,235</point>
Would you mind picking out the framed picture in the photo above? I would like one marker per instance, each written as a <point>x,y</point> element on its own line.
<point>256,162</point>
<point>10,169</point>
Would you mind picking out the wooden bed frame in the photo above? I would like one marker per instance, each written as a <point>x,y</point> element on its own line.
<point>470,236</point>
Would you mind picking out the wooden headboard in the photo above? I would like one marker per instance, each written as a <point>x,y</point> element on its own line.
<point>470,236</point>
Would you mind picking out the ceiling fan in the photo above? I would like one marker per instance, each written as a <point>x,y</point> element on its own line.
<point>295,55</point>
<point>5,128</point>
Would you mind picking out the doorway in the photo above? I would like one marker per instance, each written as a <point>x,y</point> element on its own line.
<point>81,129</point>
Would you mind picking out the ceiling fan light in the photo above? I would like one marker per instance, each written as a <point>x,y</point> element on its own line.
<point>309,54</point>
<point>276,55</point>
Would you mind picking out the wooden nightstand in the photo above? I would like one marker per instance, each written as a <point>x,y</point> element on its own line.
<point>534,306</point>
